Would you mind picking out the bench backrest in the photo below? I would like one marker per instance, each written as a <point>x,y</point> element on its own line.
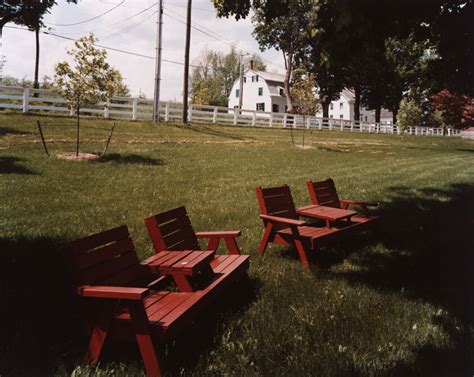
<point>172,230</point>
<point>107,258</point>
<point>276,201</point>
<point>324,193</point>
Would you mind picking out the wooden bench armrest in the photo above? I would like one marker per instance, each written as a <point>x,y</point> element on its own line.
<point>219,234</point>
<point>360,202</point>
<point>118,293</point>
<point>283,220</point>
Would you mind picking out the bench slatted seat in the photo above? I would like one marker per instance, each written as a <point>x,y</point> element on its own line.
<point>324,193</point>
<point>105,267</point>
<point>282,224</point>
<point>172,230</point>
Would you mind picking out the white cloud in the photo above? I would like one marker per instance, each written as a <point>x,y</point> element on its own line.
<point>137,35</point>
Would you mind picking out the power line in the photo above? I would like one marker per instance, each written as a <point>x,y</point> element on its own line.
<point>115,23</point>
<point>128,27</point>
<point>102,46</point>
<point>212,34</point>
<point>93,18</point>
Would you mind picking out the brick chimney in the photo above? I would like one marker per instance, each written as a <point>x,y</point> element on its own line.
<point>251,64</point>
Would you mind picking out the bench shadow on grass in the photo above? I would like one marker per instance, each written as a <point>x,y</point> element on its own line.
<point>12,165</point>
<point>434,229</point>
<point>43,330</point>
<point>131,159</point>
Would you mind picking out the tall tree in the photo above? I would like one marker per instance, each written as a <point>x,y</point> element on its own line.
<point>28,13</point>
<point>285,33</point>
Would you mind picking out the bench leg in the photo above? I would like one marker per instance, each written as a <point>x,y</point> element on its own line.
<point>99,333</point>
<point>265,239</point>
<point>142,329</point>
<point>300,247</point>
<point>232,246</point>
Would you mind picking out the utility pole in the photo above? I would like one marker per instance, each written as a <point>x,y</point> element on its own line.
<point>186,64</point>
<point>156,97</point>
<point>241,77</point>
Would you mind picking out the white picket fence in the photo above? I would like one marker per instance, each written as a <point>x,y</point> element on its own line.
<point>132,108</point>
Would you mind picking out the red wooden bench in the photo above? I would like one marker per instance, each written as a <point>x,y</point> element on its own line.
<point>323,193</point>
<point>172,230</point>
<point>126,300</point>
<point>283,226</point>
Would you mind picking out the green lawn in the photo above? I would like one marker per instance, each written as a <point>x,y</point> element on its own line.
<point>395,303</point>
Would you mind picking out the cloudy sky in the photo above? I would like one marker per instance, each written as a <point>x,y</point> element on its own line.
<point>131,25</point>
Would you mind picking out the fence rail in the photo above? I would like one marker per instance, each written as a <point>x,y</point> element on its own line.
<point>132,108</point>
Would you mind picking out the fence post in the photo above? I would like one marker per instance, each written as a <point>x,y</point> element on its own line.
<point>254,119</point>
<point>342,125</point>
<point>330,124</point>
<point>449,131</point>
<point>285,118</point>
<point>135,109</point>
<point>190,112</point>
<point>106,109</point>
<point>167,112</point>
<point>271,120</point>
<point>214,115</point>
<point>71,112</point>
<point>26,99</point>
<point>294,120</point>
<point>352,126</point>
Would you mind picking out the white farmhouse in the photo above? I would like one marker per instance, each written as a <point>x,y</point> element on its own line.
<point>263,91</point>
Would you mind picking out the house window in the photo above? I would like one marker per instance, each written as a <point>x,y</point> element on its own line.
<point>275,108</point>
<point>260,91</point>
<point>341,105</point>
<point>236,106</point>
<point>331,106</point>
<point>245,79</point>
<point>261,106</point>
<point>341,116</point>
<point>366,118</point>
<point>256,78</point>
<point>330,116</point>
<point>237,93</point>
<point>282,92</point>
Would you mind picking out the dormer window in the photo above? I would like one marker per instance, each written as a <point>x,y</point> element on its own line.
<point>282,91</point>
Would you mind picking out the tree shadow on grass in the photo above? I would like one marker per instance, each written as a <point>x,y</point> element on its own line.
<point>213,132</point>
<point>11,165</point>
<point>132,159</point>
<point>43,322</point>
<point>38,308</point>
<point>13,131</point>
<point>429,245</point>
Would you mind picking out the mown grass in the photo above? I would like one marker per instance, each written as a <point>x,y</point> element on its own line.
<point>395,303</point>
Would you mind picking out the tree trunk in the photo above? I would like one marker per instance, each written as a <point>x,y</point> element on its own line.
<point>394,115</point>
<point>286,85</point>
<point>357,103</point>
<point>325,105</point>
<point>36,81</point>
<point>77,136</point>
<point>378,110</point>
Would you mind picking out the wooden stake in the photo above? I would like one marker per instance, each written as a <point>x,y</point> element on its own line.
<point>42,138</point>
<point>108,140</point>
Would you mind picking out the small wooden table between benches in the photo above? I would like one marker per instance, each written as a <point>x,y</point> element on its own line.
<point>183,266</point>
<point>329,214</point>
